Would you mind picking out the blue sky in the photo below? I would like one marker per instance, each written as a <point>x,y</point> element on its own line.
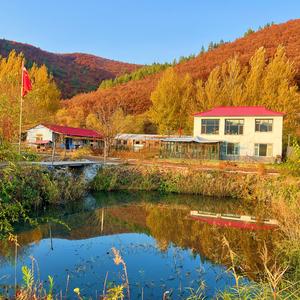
<point>138,31</point>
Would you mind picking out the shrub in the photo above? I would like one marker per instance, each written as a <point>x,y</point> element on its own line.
<point>81,153</point>
<point>24,189</point>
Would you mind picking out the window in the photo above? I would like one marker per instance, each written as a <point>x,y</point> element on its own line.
<point>263,149</point>
<point>210,126</point>
<point>39,137</point>
<point>233,149</point>
<point>234,126</point>
<point>263,125</point>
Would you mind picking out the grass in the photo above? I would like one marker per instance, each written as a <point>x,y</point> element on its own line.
<point>249,187</point>
<point>273,287</point>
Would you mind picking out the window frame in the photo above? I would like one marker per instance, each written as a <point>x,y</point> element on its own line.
<point>205,126</point>
<point>263,119</point>
<point>236,146</point>
<point>39,137</point>
<point>240,125</point>
<point>269,150</point>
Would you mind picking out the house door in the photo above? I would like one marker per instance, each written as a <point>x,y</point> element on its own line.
<point>69,143</point>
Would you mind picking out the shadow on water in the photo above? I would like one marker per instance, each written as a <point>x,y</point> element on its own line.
<point>164,249</point>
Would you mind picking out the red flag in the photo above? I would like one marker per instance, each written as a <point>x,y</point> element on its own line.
<point>26,83</point>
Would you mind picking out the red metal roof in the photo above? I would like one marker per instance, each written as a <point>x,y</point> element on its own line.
<point>71,131</point>
<point>237,111</point>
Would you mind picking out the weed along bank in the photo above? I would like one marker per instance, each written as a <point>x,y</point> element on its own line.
<point>44,136</point>
<point>244,132</point>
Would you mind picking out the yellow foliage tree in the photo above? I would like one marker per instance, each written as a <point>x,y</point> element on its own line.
<point>39,105</point>
<point>173,102</point>
<point>268,84</point>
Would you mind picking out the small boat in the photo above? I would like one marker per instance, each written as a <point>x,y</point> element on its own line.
<point>234,221</point>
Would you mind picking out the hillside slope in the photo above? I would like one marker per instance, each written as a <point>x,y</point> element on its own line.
<point>134,96</point>
<point>75,72</point>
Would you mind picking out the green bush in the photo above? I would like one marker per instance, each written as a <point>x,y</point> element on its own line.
<point>25,189</point>
<point>9,153</point>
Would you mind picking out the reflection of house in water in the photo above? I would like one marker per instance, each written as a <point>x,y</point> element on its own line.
<point>44,136</point>
<point>234,221</point>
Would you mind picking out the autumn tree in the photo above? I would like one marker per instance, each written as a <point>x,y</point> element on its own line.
<point>107,119</point>
<point>39,105</point>
<point>173,102</point>
<point>254,78</point>
<point>270,84</point>
<point>43,101</point>
<point>74,117</point>
<point>136,123</point>
<point>10,82</point>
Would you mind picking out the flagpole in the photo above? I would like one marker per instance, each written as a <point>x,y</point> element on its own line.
<point>21,109</point>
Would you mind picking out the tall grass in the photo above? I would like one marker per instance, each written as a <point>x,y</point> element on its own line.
<point>249,187</point>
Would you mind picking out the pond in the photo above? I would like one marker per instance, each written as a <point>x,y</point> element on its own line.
<point>163,248</point>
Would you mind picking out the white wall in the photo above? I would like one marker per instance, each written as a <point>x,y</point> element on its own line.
<point>249,137</point>
<point>40,129</point>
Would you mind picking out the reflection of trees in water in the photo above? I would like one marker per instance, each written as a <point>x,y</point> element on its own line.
<point>165,217</point>
<point>172,225</point>
<point>7,248</point>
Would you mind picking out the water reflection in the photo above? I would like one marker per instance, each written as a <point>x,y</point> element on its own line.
<point>163,247</point>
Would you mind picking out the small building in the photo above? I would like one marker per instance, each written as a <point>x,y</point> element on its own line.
<point>244,132</point>
<point>137,142</point>
<point>69,138</point>
<point>169,146</point>
<point>189,147</point>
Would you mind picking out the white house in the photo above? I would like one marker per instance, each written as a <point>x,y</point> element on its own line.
<point>252,132</point>
<point>44,135</point>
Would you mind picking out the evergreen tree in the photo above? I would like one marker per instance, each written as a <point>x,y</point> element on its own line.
<point>202,50</point>
<point>248,32</point>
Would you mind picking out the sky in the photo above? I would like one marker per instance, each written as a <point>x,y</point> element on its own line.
<point>136,31</point>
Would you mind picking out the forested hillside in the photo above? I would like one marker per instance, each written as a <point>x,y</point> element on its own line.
<point>73,73</point>
<point>134,96</point>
